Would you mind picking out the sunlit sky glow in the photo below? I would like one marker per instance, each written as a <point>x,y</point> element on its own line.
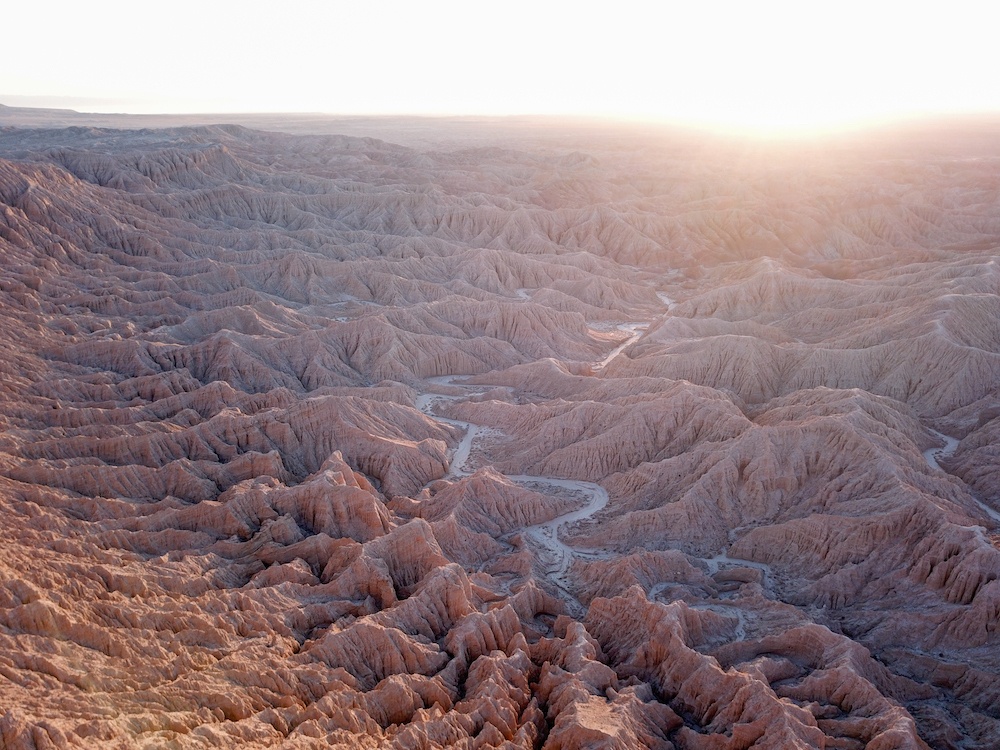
<point>743,65</point>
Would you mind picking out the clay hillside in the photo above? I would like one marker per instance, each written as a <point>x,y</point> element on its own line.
<point>502,434</point>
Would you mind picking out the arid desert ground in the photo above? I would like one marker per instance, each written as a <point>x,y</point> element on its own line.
<point>469,433</point>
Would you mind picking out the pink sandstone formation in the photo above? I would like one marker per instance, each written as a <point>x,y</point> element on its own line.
<point>622,439</point>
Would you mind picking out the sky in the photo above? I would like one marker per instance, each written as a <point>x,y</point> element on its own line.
<point>767,65</point>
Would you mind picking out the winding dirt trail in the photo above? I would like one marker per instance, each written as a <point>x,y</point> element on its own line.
<point>555,556</point>
<point>635,330</point>
<point>932,455</point>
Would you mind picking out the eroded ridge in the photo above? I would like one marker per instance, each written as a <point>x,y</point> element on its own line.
<point>618,438</point>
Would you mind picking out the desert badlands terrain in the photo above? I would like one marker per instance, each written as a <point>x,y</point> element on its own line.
<point>513,434</point>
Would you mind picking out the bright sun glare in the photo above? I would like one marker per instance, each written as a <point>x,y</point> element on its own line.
<point>761,66</point>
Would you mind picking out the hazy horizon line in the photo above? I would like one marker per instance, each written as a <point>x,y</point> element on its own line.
<point>116,107</point>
